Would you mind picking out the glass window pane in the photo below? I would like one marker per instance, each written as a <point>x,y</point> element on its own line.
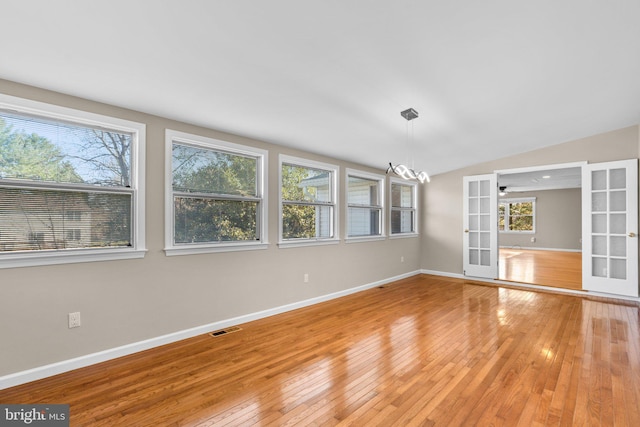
<point>599,267</point>
<point>599,223</point>
<point>598,180</point>
<point>207,220</point>
<point>402,222</point>
<point>306,222</point>
<point>599,245</point>
<point>48,219</point>
<point>485,240</point>
<point>485,222</point>
<point>473,188</point>
<point>306,184</point>
<point>474,257</point>
<point>362,191</point>
<point>521,208</point>
<point>485,188</point>
<point>617,224</point>
<point>203,170</point>
<point>473,206</point>
<point>618,201</point>
<point>474,242</point>
<point>617,178</point>
<point>485,257</point>
<point>39,149</point>
<point>473,222</point>
<point>485,205</point>
<point>363,222</point>
<point>618,246</point>
<point>619,269</point>
<point>521,223</point>
<point>401,196</point>
<point>599,202</point>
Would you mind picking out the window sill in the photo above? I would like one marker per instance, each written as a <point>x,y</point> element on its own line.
<point>67,256</point>
<point>403,235</point>
<point>363,239</point>
<point>208,249</point>
<point>306,242</point>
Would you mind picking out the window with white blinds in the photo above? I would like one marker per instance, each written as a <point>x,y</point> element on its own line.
<point>403,207</point>
<point>365,205</point>
<point>69,185</point>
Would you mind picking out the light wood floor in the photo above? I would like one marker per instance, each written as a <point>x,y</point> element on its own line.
<point>559,269</point>
<point>423,351</point>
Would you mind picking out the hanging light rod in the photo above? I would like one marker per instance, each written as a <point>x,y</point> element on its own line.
<point>401,170</point>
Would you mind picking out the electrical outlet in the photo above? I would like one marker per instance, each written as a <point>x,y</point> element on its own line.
<point>401,259</point>
<point>74,320</point>
<point>306,277</point>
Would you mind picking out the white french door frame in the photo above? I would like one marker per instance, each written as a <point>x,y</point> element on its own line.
<point>610,227</point>
<point>480,226</point>
<point>603,270</point>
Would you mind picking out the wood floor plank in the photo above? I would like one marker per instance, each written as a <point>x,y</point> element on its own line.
<point>422,351</point>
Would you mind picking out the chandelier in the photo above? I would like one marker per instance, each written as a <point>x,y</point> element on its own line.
<point>403,171</point>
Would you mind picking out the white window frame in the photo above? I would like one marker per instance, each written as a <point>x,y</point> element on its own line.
<point>414,193</point>
<point>137,190</point>
<point>262,222</point>
<point>305,163</point>
<point>506,217</point>
<point>381,197</point>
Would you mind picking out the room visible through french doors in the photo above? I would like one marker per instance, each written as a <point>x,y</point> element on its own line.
<point>610,227</point>
<point>480,237</point>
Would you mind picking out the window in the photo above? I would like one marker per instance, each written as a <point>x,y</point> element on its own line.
<point>36,238</point>
<point>403,207</point>
<point>74,234</point>
<point>71,215</point>
<point>308,197</point>
<point>71,185</point>
<point>364,204</point>
<point>516,215</point>
<point>215,200</point>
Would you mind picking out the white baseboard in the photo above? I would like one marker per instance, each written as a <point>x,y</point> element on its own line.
<point>40,372</point>
<point>529,248</point>
<point>443,273</point>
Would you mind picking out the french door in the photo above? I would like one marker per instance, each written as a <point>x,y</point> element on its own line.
<point>480,222</point>
<point>610,227</point>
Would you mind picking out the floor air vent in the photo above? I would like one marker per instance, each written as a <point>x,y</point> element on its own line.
<point>225,331</point>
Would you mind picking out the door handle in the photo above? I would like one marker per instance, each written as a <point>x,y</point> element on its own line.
<point>632,234</point>
<point>466,231</point>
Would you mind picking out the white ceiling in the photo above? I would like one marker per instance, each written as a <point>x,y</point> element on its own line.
<point>489,78</point>
<point>542,179</point>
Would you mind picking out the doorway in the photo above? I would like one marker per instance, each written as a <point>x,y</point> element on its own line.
<point>540,226</point>
<point>609,222</point>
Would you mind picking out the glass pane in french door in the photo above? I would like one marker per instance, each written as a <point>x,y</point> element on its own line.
<point>479,203</point>
<point>608,225</point>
